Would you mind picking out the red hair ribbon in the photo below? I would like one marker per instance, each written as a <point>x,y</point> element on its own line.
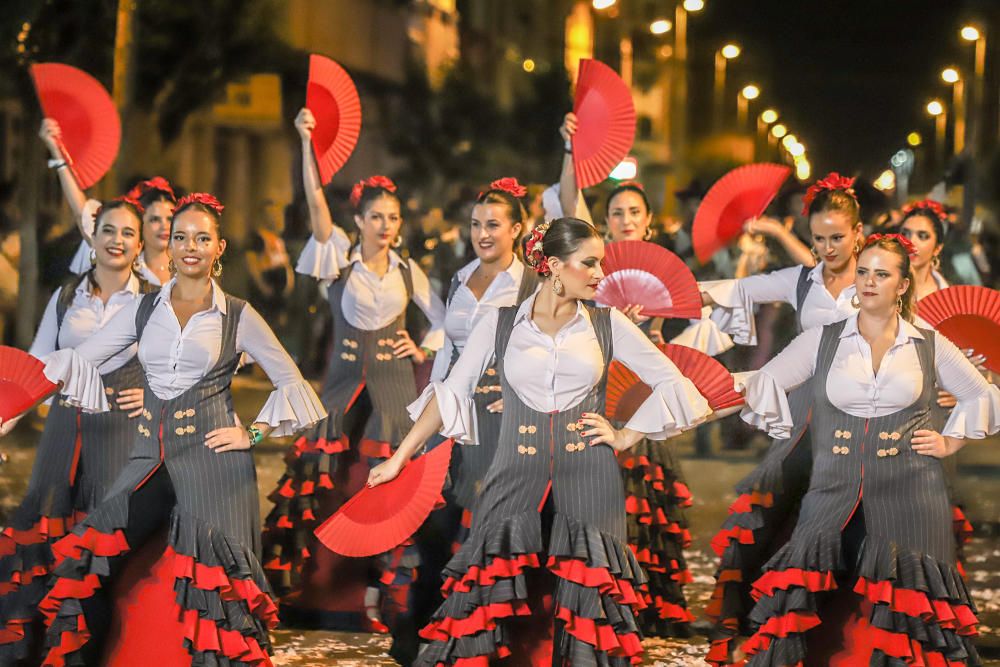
<point>934,207</point>
<point>376,181</point>
<point>125,198</point>
<point>509,185</point>
<point>898,238</point>
<point>533,253</point>
<point>205,199</point>
<point>833,181</point>
<point>154,183</point>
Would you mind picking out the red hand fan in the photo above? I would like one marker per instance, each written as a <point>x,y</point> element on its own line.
<point>91,128</point>
<point>333,100</point>
<point>626,391</point>
<point>381,518</point>
<point>22,382</point>
<point>643,273</point>
<point>743,193</point>
<point>606,117</point>
<point>968,316</point>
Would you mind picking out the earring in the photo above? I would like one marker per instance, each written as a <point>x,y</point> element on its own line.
<point>557,286</point>
<point>398,241</point>
<point>936,262</point>
<point>136,265</point>
<point>855,301</point>
<point>217,268</point>
<point>899,304</point>
<point>171,267</point>
<point>858,247</point>
<point>814,254</point>
<point>93,259</point>
<point>649,233</point>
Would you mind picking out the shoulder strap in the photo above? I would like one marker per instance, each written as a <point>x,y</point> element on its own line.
<point>143,313</point>
<point>802,288</point>
<point>405,269</point>
<point>505,325</point>
<point>828,344</point>
<point>146,287</point>
<point>452,288</point>
<point>600,318</point>
<point>230,325</point>
<point>926,353</point>
<point>66,294</point>
<point>529,282</point>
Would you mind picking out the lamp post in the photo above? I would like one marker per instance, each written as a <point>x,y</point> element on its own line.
<point>679,98</point>
<point>764,121</point>
<point>722,57</point>
<point>951,76</point>
<point>749,93</point>
<point>971,33</point>
<point>936,109</point>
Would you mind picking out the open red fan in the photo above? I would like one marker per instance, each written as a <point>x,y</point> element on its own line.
<point>381,518</point>
<point>743,193</point>
<point>606,117</point>
<point>22,382</point>
<point>91,128</point>
<point>626,391</point>
<point>333,100</point>
<point>968,316</point>
<point>643,273</point>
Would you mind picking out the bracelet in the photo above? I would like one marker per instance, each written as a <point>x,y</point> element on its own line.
<point>256,437</point>
<point>57,164</point>
<point>568,146</point>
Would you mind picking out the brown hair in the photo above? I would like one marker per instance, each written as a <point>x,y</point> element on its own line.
<point>889,242</point>
<point>837,201</point>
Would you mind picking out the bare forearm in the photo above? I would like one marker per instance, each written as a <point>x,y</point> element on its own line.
<point>568,192</point>
<point>796,249</point>
<point>320,221</point>
<point>426,425</point>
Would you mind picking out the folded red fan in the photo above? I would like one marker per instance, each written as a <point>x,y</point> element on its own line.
<point>378,519</point>
<point>22,382</point>
<point>87,116</point>
<point>334,102</point>
<point>645,274</point>
<point>743,193</point>
<point>968,316</point>
<point>606,122</point>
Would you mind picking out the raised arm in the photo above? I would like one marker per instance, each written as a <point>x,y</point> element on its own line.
<point>320,220</point>
<point>51,135</point>
<point>796,249</point>
<point>568,192</point>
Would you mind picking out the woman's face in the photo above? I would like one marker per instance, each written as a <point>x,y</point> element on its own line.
<point>581,273</point>
<point>628,217</point>
<point>116,239</point>
<point>156,225</point>
<point>492,233</point>
<point>879,280</point>
<point>834,237</point>
<point>380,223</point>
<point>195,244</point>
<point>920,231</point>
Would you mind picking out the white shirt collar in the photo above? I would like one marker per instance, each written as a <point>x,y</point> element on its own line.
<point>131,287</point>
<point>515,271</point>
<point>904,332</point>
<point>816,274</point>
<point>218,296</point>
<point>394,259</point>
<point>526,307</point>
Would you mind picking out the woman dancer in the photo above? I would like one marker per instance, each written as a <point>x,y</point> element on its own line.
<point>769,495</point>
<point>874,530</point>
<point>190,465</point>
<point>369,382</point>
<point>552,355</point>
<point>79,454</point>
<point>155,195</point>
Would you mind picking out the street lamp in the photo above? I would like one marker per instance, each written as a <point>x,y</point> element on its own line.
<point>914,139</point>
<point>749,93</point>
<point>936,109</point>
<point>660,26</point>
<point>789,140</point>
<point>603,4</point>
<point>677,109</point>
<point>778,131</point>
<point>951,76</point>
<point>694,5</point>
<point>722,56</point>
<point>971,33</point>
<point>769,116</point>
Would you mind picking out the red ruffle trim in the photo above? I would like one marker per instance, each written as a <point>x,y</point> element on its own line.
<point>209,578</point>
<point>961,525</point>
<point>482,618</point>
<point>46,528</point>
<point>601,635</point>
<point>904,647</point>
<point>498,568</point>
<point>69,642</point>
<point>205,635</point>
<point>735,534</point>
<point>375,449</point>
<point>784,579</point>
<point>478,661</point>
<point>795,622</point>
<point>718,654</point>
<point>683,493</point>
<point>959,618</point>
<point>572,569</point>
<point>672,612</point>
<point>305,446</point>
<point>746,502</point>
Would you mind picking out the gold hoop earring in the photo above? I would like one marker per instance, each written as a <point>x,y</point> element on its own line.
<point>171,267</point>
<point>899,304</point>
<point>136,265</point>
<point>855,301</point>
<point>858,247</point>
<point>398,241</point>
<point>814,254</point>
<point>217,268</point>
<point>936,262</point>
<point>93,259</point>
<point>557,286</point>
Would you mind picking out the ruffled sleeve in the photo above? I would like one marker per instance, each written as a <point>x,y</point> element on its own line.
<point>704,335</point>
<point>733,314</point>
<point>324,261</point>
<point>82,383</point>
<point>976,418</point>
<point>767,405</point>
<point>458,413</point>
<point>291,407</point>
<point>977,413</point>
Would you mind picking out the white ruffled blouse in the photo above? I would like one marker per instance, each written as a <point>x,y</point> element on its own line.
<point>555,374</point>
<point>853,386</point>
<point>735,301</point>
<point>175,359</point>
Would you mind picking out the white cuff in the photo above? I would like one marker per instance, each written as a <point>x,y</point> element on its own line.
<point>705,336</point>
<point>734,310</point>
<point>82,384</point>
<point>977,418</point>
<point>671,408</point>
<point>291,408</point>
<point>322,261</point>
<point>767,406</point>
<point>458,415</point>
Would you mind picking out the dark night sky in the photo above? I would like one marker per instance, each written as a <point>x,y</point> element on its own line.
<point>850,78</point>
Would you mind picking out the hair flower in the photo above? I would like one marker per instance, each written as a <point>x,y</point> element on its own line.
<point>833,181</point>
<point>534,255</point>
<point>205,199</point>
<point>376,181</point>
<point>906,244</point>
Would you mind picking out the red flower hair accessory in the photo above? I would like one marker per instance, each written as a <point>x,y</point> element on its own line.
<point>203,198</point>
<point>510,186</point>
<point>383,182</point>
<point>934,207</point>
<point>128,200</point>
<point>898,238</point>
<point>833,181</point>
<point>154,183</point>
<point>632,184</point>
<point>533,253</point>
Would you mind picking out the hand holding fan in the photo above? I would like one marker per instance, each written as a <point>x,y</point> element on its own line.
<point>333,100</point>
<point>643,273</point>
<point>606,117</point>
<point>87,117</point>
<point>968,316</point>
<point>22,382</point>
<point>743,193</point>
<point>381,518</point>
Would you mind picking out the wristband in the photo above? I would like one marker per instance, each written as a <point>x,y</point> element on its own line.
<point>55,163</point>
<point>568,146</point>
<point>256,437</point>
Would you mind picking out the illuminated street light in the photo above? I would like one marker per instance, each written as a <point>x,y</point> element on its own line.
<point>935,108</point>
<point>789,140</point>
<point>886,181</point>
<point>751,92</point>
<point>803,170</point>
<point>779,130</point>
<point>528,65</point>
<point>603,4</point>
<point>769,116</point>
<point>730,51</point>
<point>796,150</point>
<point>660,26</point>
<point>694,5</point>
<point>950,75</point>
<point>914,139</point>
<point>970,33</point>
